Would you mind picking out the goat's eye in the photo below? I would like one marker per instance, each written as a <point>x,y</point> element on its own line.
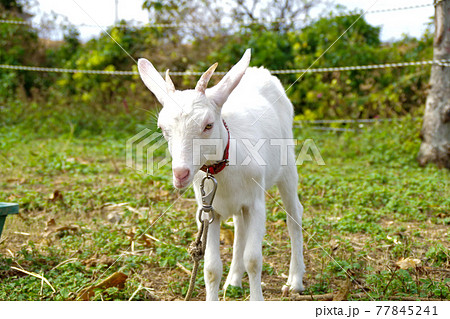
<point>208,127</point>
<point>164,133</point>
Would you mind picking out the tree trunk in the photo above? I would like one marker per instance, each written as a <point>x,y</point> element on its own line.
<point>435,132</point>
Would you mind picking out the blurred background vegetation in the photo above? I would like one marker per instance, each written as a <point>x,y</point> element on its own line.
<point>86,102</point>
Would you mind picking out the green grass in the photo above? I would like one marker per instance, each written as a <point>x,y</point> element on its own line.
<point>368,207</point>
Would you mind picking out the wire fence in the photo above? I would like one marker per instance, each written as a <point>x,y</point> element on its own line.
<point>348,121</point>
<point>442,63</point>
<point>360,123</point>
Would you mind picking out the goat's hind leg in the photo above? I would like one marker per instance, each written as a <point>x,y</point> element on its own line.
<point>255,220</point>
<point>288,191</point>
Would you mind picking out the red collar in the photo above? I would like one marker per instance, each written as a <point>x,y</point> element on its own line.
<point>220,165</point>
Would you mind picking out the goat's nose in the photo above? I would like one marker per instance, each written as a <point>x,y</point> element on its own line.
<point>181,172</point>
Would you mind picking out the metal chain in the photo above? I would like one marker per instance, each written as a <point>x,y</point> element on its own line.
<point>444,63</point>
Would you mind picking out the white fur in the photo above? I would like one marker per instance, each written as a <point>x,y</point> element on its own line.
<point>255,108</point>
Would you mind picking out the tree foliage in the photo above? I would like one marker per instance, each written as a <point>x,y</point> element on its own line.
<point>384,92</point>
<point>18,46</point>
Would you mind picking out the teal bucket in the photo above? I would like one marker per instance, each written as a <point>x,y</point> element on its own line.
<point>5,210</point>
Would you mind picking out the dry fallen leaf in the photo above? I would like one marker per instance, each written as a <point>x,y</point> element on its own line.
<point>115,280</point>
<point>51,228</point>
<point>343,292</point>
<point>406,263</point>
<point>56,195</point>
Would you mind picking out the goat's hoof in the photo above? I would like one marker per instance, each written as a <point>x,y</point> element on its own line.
<point>285,291</point>
<point>234,281</point>
<point>288,289</point>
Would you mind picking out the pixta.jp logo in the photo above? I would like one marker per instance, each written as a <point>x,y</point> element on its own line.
<point>146,151</point>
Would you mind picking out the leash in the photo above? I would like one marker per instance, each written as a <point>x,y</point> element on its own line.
<point>198,247</point>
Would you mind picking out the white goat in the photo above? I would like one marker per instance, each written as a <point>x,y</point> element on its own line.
<point>259,115</point>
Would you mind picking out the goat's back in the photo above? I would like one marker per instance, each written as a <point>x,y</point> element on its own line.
<point>260,100</point>
<point>258,111</point>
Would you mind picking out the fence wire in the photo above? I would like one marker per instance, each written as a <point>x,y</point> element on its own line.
<point>442,63</point>
<point>360,122</point>
<point>347,121</point>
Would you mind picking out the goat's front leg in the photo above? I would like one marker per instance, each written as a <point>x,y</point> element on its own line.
<point>255,220</point>
<point>237,267</point>
<point>213,263</point>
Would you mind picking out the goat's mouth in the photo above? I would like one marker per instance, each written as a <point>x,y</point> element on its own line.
<point>181,183</point>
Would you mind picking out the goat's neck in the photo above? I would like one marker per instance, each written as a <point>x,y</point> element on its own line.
<point>224,137</point>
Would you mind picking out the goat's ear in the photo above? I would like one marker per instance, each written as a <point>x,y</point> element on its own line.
<point>152,79</point>
<point>219,93</point>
